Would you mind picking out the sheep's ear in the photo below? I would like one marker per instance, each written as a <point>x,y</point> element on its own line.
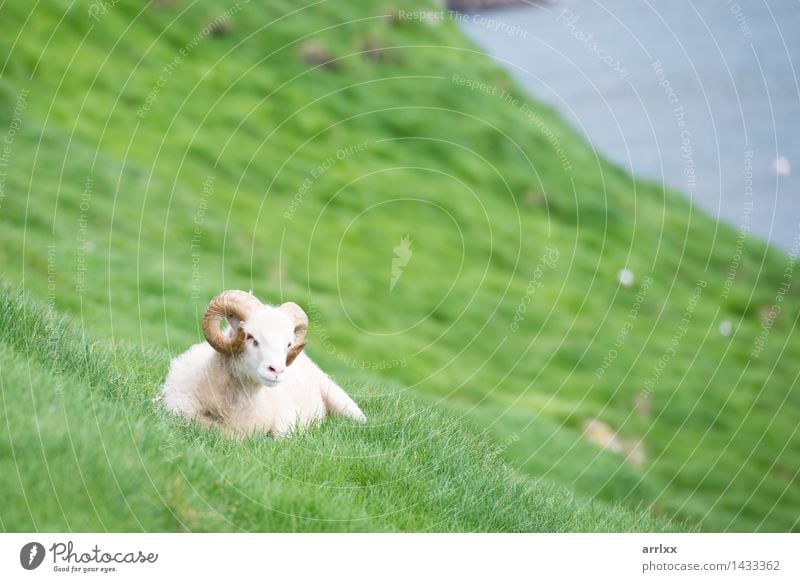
<point>234,323</point>
<point>293,352</point>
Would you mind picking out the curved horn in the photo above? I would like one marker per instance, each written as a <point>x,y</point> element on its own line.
<point>237,303</point>
<point>300,320</point>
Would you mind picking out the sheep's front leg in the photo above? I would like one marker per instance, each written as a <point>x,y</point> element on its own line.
<point>338,402</point>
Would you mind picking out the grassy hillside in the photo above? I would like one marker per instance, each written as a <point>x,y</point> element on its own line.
<point>91,451</point>
<point>155,161</point>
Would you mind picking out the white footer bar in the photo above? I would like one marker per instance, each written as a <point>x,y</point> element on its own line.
<point>381,557</point>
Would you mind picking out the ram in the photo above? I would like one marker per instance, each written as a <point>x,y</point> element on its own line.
<point>254,376</point>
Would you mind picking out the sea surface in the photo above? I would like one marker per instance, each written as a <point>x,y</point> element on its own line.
<point>703,96</point>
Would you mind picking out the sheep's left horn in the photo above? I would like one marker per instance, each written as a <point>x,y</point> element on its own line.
<point>300,320</point>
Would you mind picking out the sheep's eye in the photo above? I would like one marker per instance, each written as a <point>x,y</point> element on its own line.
<point>251,338</point>
<point>289,345</point>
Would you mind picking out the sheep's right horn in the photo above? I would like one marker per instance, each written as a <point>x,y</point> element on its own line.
<point>237,303</point>
<point>300,321</point>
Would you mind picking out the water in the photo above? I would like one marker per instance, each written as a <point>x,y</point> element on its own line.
<point>703,96</point>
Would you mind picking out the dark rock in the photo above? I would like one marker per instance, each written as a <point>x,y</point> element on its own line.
<point>477,5</point>
<point>315,54</point>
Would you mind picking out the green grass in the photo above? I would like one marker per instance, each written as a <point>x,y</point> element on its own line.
<point>104,217</point>
<point>88,449</point>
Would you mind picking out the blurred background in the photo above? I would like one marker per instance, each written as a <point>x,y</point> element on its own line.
<point>572,226</point>
<point>723,105</point>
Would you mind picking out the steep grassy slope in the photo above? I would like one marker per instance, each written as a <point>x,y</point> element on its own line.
<point>155,164</point>
<point>86,449</point>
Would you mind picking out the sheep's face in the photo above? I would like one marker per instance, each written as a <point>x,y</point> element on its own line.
<point>269,346</point>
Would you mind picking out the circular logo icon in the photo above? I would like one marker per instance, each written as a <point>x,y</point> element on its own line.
<point>31,555</point>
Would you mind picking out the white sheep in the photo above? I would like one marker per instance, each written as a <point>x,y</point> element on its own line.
<point>253,377</point>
